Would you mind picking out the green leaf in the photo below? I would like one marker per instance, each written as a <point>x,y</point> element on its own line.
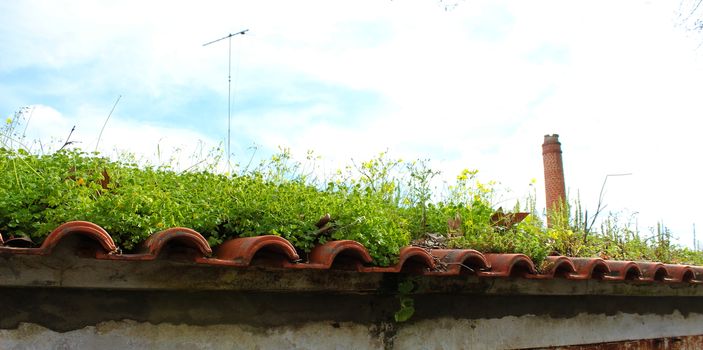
<point>404,314</point>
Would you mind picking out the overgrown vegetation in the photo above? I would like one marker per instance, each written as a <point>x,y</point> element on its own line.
<point>383,203</point>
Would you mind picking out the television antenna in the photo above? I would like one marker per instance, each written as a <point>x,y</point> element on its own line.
<point>229,89</point>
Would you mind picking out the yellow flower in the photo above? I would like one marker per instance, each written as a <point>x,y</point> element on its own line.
<point>80,181</point>
<point>8,120</point>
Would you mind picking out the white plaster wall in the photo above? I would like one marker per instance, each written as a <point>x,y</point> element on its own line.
<point>540,331</point>
<point>444,333</point>
<point>134,335</point>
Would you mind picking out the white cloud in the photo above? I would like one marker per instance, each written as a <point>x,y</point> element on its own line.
<point>176,146</point>
<point>475,87</point>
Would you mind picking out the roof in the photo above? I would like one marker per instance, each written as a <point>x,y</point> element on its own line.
<point>186,245</point>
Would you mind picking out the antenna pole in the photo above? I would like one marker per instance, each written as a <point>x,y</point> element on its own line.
<point>229,103</point>
<point>229,90</point>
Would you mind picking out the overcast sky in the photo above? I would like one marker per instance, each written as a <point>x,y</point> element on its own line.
<point>476,86</point>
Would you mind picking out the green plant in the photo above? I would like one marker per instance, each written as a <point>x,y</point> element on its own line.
<point>382,203</point>
<point>407,303</point>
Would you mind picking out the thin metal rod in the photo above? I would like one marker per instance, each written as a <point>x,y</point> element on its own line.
<point>229,90</point>
<point>104,124</point>
<point>229,104</point>
<point>228,36</point>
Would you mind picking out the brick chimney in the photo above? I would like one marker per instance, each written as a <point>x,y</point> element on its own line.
<point>553,173</point>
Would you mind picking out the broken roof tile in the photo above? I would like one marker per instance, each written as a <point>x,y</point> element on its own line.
<point>18,242</point>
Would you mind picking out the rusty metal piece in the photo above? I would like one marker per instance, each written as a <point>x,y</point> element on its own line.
<point>507,220</point>
<point>460,261</point>
<point>241,251</point>
<point>653,271</point>
<point>84,228</point>
<point>587,268</point>
<point>344,254</point>
<point>680,273</point>
<point>157,242</point>
<point>414,260</point>
<point>324,220</point>
<point>623,270</point>
<point>508,265</point>
<point>556,266</point>
<point>105,181</point>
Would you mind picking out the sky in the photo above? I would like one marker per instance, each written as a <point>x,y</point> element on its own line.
<point>467,84</point>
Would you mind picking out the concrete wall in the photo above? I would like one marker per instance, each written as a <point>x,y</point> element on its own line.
<point>64,301</point>
<point>444,333</point>
<point>62,318</point>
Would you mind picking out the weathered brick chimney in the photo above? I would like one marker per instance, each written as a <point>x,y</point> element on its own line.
<point>553,173</point>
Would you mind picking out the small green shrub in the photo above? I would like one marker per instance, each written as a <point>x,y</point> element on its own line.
<point>382,203</point>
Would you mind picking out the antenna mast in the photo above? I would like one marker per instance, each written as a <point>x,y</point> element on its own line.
<point>229,89</point>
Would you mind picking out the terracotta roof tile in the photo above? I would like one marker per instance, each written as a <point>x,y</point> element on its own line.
<point>413,260</point>
<point>623,270</point>
<point>18,242</point>
<point>653,271</point>
<point>83,228</point>
<point>241,251</point>
<point>345,254</point>
<point>158,242</point>
<point>680,273</point>
<point>273,251</point>
<point>461,261</point>
<point>508,265</point>
<point>556,267</point>
<point>587,268</point>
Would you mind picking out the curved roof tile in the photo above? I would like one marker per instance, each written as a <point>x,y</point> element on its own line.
<point>623,270</point>
<point>351,255</point>
<point>653,271</point>
<point>84,228</point>
<point>556,266</point>
<point>587,268</point>
<point>698,273</point>
<point>680,273</point>
<point>508,265</point>
<point>411,259</point>
<point>332,253</point>
<point>155,244</point>
<point>461,261</point>
<point>241,251</point>
<point>18,242</point>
